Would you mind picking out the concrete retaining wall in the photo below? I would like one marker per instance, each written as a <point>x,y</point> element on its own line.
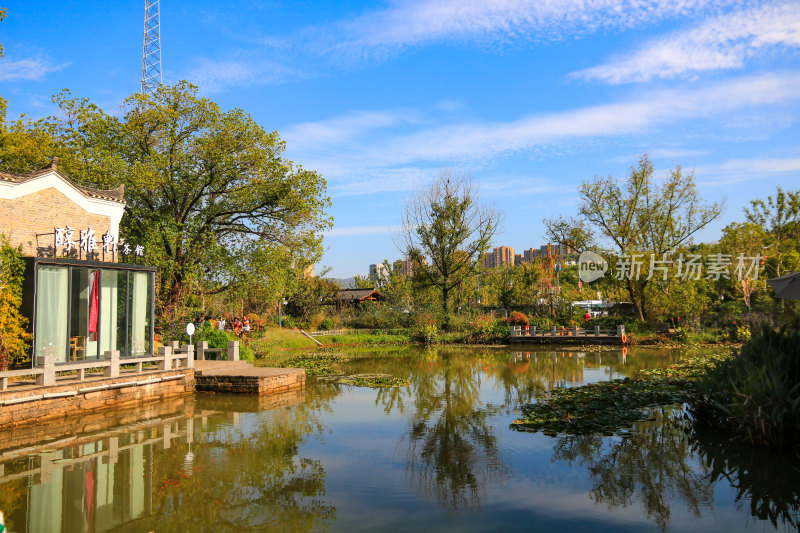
<point>59,401</point>
<point>289,379</point>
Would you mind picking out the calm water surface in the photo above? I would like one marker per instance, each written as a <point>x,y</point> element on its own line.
<point>437,455</point>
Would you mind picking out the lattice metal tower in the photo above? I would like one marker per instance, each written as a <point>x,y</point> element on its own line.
<point>151,47</point>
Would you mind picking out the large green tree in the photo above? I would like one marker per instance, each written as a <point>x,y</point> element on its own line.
<point>446,223</point>
<point>641,215</point>
<point>779,216</point>
<point>208,191</point>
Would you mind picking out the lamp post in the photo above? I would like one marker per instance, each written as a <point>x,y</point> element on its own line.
<point>281,303</point>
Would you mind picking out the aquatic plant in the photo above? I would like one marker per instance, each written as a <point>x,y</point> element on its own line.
<point>755,393</point>
<point>315,364</point>
<point>375,381</point>
<point>691,367</point>
<point>606,407</point>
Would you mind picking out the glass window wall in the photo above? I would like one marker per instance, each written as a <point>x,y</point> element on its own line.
<point>82,312</point>
<point>52,301</point>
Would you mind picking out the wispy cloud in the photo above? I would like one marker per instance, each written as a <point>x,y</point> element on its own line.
<point>393,161</point>
<point>383,33</point>
<point>720,43</point>
<point>28,69</point>
<point>741,170</point>
<point>214,76</point>
<point>350,231</point>
<point>410,23</point>
<point>350,127</point>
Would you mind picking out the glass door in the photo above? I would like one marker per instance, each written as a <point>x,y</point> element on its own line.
<point>52,310</point>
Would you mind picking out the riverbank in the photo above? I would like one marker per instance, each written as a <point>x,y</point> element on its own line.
<point>276,346</point>
<point>753,393</point>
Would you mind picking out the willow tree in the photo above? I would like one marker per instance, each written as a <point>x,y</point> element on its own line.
<point>446,224</point>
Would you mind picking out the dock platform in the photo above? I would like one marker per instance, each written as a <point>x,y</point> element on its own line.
<point>241,377</point>
<point>573,335</point>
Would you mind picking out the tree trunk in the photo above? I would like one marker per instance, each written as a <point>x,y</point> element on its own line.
<point>634,299</point>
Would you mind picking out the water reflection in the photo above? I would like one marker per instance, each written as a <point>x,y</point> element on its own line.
<point>440,447</point>
<point>180,466</point>
<point>652,466</point>
<point>450,445</point>
<point>451,450</point>
<point>768,479</point>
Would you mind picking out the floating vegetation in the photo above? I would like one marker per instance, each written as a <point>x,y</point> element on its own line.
<point>607,407</point>
<point>613,406</point>
<point>692,367</point>
<point>315,364</point>
<point>376,381</point>
<point>368,380</point>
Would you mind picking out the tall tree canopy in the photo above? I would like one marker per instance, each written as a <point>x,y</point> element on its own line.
<point>779,216</point>
<point>207,190</point>
<point>639,215</point>
<point>446,223</point>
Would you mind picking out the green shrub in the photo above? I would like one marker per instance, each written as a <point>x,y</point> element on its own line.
<point>219,339</point>
<point>326,325</point>
<point>14,340</point>
<point>540,322</point>
<point>370,315</point>
<point>681,334</point>
<point>756,393</point>
<point>741,332</point>
<point>425,331</point>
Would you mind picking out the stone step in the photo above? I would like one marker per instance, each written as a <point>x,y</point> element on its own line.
<point>213,367</point>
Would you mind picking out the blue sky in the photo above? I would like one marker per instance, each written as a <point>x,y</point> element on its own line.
<point>530,97</point>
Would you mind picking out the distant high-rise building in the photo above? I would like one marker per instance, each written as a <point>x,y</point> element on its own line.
<point>407,268</point>
<point>503,256</point>
<point>518,259</point>
<point>557,250</point>
<point>379,274</point>
<point>530,254</point>
<point>487,260</point>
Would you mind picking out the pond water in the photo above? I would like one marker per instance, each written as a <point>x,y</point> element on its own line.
<point>436,455</point>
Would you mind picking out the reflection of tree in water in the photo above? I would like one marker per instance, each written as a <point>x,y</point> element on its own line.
<point>451,451</point>
<point>246,478</point>
<point>769,479</point>
<point>653,465</point>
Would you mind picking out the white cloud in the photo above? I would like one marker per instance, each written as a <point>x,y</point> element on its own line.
<point>393,162</point>
<point>214,76</point>
<point>27,69</point>
<point>378,34</point>
<point>409,23</point>
<point>349,127</point>
<point>351,231</point>
<point>720,43</point>
<point>741,170</point>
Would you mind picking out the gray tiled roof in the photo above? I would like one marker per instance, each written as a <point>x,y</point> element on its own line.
<point>114,195</point>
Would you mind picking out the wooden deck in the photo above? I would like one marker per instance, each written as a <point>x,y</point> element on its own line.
<point>573,335</point>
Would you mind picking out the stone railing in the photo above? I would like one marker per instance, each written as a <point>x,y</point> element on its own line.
<point>169,357</point>
<point>203,351</point>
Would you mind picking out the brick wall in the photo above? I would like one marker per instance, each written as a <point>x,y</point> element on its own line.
<point>22,218</point>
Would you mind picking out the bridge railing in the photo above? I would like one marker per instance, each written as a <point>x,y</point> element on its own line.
<point>574,331</point>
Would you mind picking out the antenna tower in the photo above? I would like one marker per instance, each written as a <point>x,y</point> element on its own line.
<point>151,47</point>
